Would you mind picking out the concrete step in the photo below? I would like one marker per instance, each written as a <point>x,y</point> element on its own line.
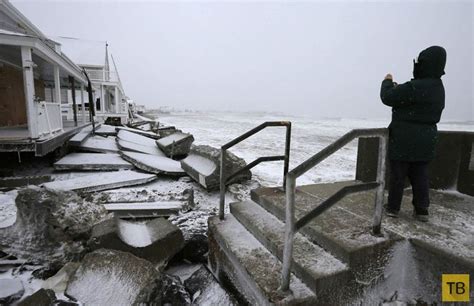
<point>238,259</point>
<point>317,268</point>
<point>345,234</point>
<point>92,162</point>
<point>83,134</point>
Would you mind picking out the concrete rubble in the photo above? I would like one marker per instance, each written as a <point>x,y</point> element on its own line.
<point>110,277</point>
<point>92,162</point>
<point>176,145</point>
<point>157,240</point>
<point>203,165</point>
<point>153,164</point>
<point>42,297</point>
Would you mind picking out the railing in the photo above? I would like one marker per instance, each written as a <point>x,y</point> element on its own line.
<point>102,75</point>
<point>224,180</point>
<point>293,226</point>
<point>49,118</point>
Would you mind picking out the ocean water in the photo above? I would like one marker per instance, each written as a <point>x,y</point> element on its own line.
<point>309,136</point>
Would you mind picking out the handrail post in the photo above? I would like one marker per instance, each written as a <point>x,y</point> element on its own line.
<point>222,186</point>
<point>289,232</point>
<point>379,195</point>
<point>287,153</point>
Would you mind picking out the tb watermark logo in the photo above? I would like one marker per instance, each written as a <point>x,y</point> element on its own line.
<point>455,288</point>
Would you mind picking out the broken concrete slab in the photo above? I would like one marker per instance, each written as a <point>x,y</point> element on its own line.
<point>125,145</point>
<point>102,181</point>
<point>92,161</point>
<point>153,164</point>
<point>144,209</point>
<point>157,240</point>
<point>106,130</point>
<point>99,144</point>
<point>80,137</point>
<point>10,290</point>
<point>175,145</point>
<point>41,297</point>
<point>110,277</point>
<point>165,131</point>
<point>136,138</point>
<point>203,165</point>
<point>137,131</point>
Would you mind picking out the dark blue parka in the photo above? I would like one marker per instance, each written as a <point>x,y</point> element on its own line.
<point>416,108</point>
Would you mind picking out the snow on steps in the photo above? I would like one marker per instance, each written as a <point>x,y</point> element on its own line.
<point>153,164</point>
<point>318,269</point>
<point>251,267</point>
<point>99,144</point>
<point>92,161</point>
<point>102,181</point>
<point>80,137</point>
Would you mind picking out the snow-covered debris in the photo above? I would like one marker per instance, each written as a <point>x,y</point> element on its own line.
<point>101,181</point>
<point>153,164</point>
<point>125,145</point>
<point>92,161</point>
<point>108,277</point>
<point>136,138</point>
<point>137,131</point>
<point>10,290</point>
<point>157,240</point>
<point>7,208</point>
<point>41,297</point>
<point>106,130</point>
<point>177,144</point>
<point>49,225</point>
<point>174,292</point>
<point>58,282</point>
<point>203,165</point>
<point>99,144</point>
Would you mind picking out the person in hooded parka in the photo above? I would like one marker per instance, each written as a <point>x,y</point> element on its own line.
<point>416,109</point>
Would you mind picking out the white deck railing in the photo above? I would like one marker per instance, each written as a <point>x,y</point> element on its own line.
<point>102,75</point>
<point>49,118</point>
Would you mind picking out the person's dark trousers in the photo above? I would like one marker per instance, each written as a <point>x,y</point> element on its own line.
<point>417,173</point>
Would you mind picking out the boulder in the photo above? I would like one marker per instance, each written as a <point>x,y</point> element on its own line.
<point>176,145</point>
<point>42,297</point>
<point>157,240</point>
<point>10,290</point>
<point>204,289</point>
<point>109,277</point>
<point>203,165</point>
<point>50,225</point>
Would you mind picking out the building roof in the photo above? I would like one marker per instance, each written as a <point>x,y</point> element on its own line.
<point>83,52</point>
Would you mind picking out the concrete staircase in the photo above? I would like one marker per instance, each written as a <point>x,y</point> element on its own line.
<point>335,257</point>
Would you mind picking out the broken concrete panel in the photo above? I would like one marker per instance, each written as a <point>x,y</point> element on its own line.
<point>10,290</point>
<point>165,131</point>
<point>110,277</point>
<point>125,145</point>
<point>153,164</point>
<point>41,297</point>
<point>136,138</point>
<point>157,240</point>
<point>50,225</point>
<point>58,282</point>
<point>144,209</point>
<point>106,130</point>
<point>92,161</point>
<point>177,144</point>
<point>203,165</point>
<point>80,137</point>
<point>99,144</point>
<point>101,181</point>
<point>137,131</point>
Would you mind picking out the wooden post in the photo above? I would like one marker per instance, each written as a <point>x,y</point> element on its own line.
<point>73,94</point>
<point>57,91</point>
<point>83,107</point>
<point>102,99</point>
<point>29,88</point>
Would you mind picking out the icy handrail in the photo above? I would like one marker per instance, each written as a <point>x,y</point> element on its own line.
<point>224,179</point>
<point>293,226</point>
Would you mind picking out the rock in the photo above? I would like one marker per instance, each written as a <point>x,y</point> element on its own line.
<point>176,145</point>
<point>41,297</point>
<point>157,240</point>
<point>195,249</point>
<point>59,281</point>
<point>10,290</point>
<point>205,289</point>
<point>174,292</point>
<point>203,165</point>
<point>109,277</point>
<point>48,271</point>
<point>50,225</point>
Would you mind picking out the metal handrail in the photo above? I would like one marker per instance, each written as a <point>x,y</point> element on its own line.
<point>293,226</point>
<point>286,158</point>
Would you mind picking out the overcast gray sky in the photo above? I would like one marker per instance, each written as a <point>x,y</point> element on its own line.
<point>311,58</point>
